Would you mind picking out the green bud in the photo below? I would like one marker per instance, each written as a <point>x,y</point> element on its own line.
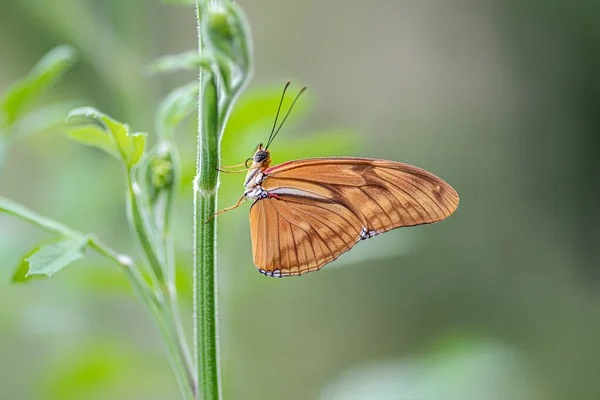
<point>160,173</point>
<point>228,37</point>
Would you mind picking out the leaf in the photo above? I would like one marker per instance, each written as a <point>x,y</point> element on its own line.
<point>130,146</point>
<point>17,210</point>
<point>52,256</point>
<point>20,275</point>
<point>93,136</point>
<point>47,71</point>
<point>139,145</point>
<point>186,61</point>
<point>178,105</point>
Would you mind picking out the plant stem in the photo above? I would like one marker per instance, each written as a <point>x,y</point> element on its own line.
<point>167,312</point>
<point>157,309</point>
<point>205,202</point>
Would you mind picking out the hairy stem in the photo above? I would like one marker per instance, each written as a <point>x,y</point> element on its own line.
<point>205,201</point>
<point>166,312</point>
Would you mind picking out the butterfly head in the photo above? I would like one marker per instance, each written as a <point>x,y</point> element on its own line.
<point>260,160</point>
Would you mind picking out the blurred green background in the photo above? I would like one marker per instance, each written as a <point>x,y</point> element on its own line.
<point>500,98</point>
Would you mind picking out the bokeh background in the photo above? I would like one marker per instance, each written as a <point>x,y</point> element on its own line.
<point>500,98</point>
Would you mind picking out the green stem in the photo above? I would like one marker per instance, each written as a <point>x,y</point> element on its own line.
<point>205,203</point>
<point>167,310</point>
<point>137,221</point>
<point>159,311</point>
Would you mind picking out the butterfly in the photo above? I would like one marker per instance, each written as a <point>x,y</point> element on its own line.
<point>308,212</point>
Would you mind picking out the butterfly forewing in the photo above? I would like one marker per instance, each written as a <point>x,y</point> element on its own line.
<point>323,207</point>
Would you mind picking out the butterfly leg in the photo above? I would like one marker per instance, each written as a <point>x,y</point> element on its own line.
<point>233,166</point>
<point>242,200</point>
<point>232,172</point>
<point>225,167</point>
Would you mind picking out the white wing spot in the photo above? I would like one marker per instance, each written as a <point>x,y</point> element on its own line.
<point>367,234</point>
<point>277,273</point>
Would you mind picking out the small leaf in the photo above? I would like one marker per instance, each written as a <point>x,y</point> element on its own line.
<point>139,145</point>
<point>47,71</point>
<point>93,136</point>
<point>178,105</point>
<point>130,146</point>
<point>21,273</point>
<point>186,61</point>
<point>227,33</point>
<point>52,256</point>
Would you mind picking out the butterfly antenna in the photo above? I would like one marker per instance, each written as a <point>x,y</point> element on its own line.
<point>286,116</point>
<point>278,110</point>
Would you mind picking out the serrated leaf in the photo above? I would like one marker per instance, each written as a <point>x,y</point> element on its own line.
<point>130,146</point>
<point>47,71</point>
<point>21,273</point>
<point>186,61</point>
<point>93,136</point>
<point>178,105</point>
<point>51,257</point>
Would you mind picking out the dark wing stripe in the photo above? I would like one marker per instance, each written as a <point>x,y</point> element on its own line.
<point>417,183</point>
<point>296,249</point>
<point>409,204</point>
<point>405,193</point>
<point>324,224</point>
<point>318,231</point>
<point>302,241</point>
<point>293,255</point>
<point>418,188</point>
<point>316,204</point>
<point>393,200</point>
<point>383,212</point>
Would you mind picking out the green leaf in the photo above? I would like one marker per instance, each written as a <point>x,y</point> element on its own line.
<point>52,256</point>
<point>227,34</point>
<point>20,275</point>
<point>139,145</point>
<point>17,210</point>
<point>178,105</point>
<point>47,71</point>
<point>186,61</point>
<point>93,136</point>
<point>130,146</point>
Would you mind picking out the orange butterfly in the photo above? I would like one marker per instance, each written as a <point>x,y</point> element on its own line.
<point>306,213</point>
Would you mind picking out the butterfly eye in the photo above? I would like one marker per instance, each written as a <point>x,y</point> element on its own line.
<point>247,161</point>
<point>260,156</point>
